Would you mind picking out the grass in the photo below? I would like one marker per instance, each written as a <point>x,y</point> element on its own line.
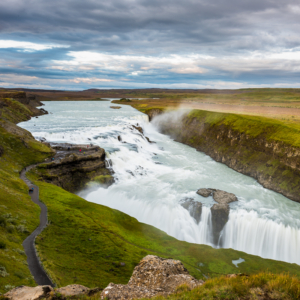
<point>94,240</point>
<point>18,214</point>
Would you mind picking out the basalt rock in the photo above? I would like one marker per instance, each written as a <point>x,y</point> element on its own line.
<point>205,192</point>
<point>194,208</point>
<point>151,277</point>
<point>219,217</point>
<point>74,168</point>
<point>138,128</point>
<point>29,293</point>
<point>223,197</point>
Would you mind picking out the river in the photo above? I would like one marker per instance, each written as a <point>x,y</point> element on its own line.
<point>152,178</point>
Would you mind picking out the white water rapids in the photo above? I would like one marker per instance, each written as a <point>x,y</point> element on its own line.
<point>151,179</point>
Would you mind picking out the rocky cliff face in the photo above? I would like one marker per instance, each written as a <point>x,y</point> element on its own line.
<point>274,164</point>
<point>72,169</point>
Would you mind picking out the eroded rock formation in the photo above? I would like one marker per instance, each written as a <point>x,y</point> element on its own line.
<point>77,166</point>
<point>152,276</point>
<point>194,208</point>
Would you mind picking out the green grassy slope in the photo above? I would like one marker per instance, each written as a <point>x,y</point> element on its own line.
<point>86,243</point>
<point>18,214</point>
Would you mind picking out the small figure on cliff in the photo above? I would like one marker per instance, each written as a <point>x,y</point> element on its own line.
<point>80,150</point>
<point>68,148</point>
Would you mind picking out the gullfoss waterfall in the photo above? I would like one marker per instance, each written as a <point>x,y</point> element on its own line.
<point>152,179</point>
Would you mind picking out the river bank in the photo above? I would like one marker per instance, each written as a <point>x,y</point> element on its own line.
<point>265,149</point>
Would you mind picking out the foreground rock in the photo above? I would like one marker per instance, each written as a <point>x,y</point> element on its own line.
<point>194,208</point>
<point>151,277</point>
<point>72,290</point>
<point>29,293</point>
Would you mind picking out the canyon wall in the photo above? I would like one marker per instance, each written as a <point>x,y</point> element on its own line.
<point>261,148</point>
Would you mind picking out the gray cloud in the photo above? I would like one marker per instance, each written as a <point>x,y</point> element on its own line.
<point>240,35</point>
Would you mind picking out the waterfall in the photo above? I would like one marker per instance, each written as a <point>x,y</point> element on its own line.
<point>152,178</point>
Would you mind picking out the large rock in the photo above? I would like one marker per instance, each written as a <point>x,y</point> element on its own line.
<point>219,217</point>
<point>72,290</point>
<point>224,197</point>
<point>29,293</point>
<point>152,276</point>
<point>194,208</point>
<point>205,192</point>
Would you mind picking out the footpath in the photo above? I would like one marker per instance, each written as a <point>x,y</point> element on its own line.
<point>34,264</point>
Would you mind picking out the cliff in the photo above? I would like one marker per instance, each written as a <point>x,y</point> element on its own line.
<point>72,170</point>
<point>265,149</point>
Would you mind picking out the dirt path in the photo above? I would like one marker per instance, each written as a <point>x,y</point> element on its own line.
<point>35,267</point>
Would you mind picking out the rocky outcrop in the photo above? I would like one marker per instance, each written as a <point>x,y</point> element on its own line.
<point>194,208</point>
<point>115,107</point>
<point>219,217</point>
<point>73,167</point>
<point>220,211</point>
<point>138,128</point>
<point>205,192</point>
<point>151,277</point>
<point>153,112</point>
<point>29,293</point>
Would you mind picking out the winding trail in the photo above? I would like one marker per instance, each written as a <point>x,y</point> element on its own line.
<point>35,267</point>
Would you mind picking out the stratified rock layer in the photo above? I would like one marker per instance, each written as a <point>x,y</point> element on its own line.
<point>152,276</point>
<point>77,167</point>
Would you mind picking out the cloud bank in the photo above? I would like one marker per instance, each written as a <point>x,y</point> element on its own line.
<point>75,44</point>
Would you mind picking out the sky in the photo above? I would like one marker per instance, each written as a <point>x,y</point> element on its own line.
<point>194,44</point>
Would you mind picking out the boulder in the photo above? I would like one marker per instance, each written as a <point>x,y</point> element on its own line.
<point>194,208</point>
<point>72,290</point>
<point>29,293</point>
<point>152,276</point>
<point>138,128</point>
<point>224,197</point>
<point>219,217</point>
<point>205,192</point>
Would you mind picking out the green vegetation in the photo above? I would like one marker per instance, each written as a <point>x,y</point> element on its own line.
<point>260,286</point>
<point>18,214</point>
<point>94,240</point>
<point>271,129</point>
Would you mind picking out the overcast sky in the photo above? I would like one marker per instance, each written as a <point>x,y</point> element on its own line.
<point>81,44</point>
